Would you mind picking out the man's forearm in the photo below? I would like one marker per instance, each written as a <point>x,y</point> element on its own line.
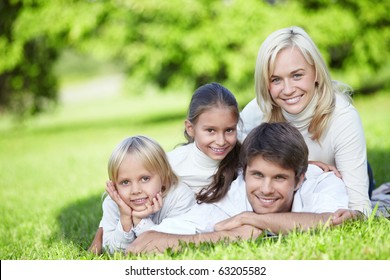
<point>285,222</point>
<point>153,241</point>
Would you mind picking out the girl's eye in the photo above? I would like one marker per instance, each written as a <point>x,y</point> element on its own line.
<point>275,80</point>
<point>145,179</point>
<point>210,130</point>
<point>230,130</point>
<point>125,182</point>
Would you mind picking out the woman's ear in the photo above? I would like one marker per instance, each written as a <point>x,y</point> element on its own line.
<point>189,128</point>
<point>300,182</point>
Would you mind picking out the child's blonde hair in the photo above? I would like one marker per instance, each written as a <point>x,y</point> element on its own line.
<point>149,153</point>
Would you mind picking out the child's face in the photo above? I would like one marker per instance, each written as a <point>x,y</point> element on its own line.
<point>269,187</point>
<point>292,83</point>
<point>215,132</point>
<point>135,184</point>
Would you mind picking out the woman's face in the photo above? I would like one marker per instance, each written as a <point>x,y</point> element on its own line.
<point>292,82</point>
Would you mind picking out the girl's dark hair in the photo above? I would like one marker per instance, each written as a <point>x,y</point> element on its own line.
<point>280,143</point>
<point>207,97</point>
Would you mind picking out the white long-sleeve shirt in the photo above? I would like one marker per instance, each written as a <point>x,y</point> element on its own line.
<point>321,192</point>
<point>193,166</point>
<point>177,201</point>
<point>343,145</point>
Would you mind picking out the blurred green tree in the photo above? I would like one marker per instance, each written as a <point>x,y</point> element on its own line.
<point>171,43</point>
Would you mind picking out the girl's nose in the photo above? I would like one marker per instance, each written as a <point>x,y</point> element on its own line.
<point>135,188</point>
<point>220,141</point>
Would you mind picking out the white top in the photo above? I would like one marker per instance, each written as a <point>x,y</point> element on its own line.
<point>321,192</point>
<point>178,200</point>
<point>342,145</point>
<point>193,166</point>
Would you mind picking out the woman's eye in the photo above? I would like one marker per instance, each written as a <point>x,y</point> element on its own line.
<point>275,80</point>
<point>297,76</point>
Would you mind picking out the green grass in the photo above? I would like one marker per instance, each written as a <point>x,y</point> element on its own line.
<point>53,170</point>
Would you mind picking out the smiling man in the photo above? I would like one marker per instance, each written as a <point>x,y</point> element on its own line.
<point>277,191</point>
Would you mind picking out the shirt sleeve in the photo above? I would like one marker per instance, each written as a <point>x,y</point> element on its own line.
<point>201,218</point>
<point>251,117</point>
<point>114,237</point>
<point>351,158</point>
<point>323,194</point>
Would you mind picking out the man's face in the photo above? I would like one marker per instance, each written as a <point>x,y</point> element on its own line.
<point>269,187</point>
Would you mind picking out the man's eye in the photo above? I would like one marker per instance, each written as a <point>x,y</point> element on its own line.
<point>258,174</point>
<point>280,178</point>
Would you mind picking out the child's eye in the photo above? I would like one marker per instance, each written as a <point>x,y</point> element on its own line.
<point>210,130</point>
<point>124,182</point>
<point>230,130</point>
<point>145,179</point>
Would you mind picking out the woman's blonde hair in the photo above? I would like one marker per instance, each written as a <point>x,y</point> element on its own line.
<point>149,153</point>
<point>325,90</point>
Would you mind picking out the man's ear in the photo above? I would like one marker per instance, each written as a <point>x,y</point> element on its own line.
<point>300,182</point>
<point>189,128</point>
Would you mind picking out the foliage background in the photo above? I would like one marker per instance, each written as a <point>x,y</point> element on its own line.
<point>145,58</point>
<point>181,42</point>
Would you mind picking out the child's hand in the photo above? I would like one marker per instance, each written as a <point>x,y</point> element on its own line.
<point>150,208</point>
<point>327,168</point>
<point>124,210</point>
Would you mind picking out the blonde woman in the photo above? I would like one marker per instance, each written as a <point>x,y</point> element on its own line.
<point>293,84</point>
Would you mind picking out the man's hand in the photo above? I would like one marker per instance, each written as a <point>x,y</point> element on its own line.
<point>342,215</point>
<point>231,223</point>
<point>244,232</point>
<point>149,242</point>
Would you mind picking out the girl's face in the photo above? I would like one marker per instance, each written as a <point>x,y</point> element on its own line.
<point>292,82</point>
<point>215,132</point>
<point>270,188</point>
<point>135,184</point>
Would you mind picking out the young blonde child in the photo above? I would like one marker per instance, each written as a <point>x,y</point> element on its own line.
<point>142,191</point>
<point>208,162</point>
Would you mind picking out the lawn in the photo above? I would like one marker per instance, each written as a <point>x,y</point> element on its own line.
<point>53,170</point>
